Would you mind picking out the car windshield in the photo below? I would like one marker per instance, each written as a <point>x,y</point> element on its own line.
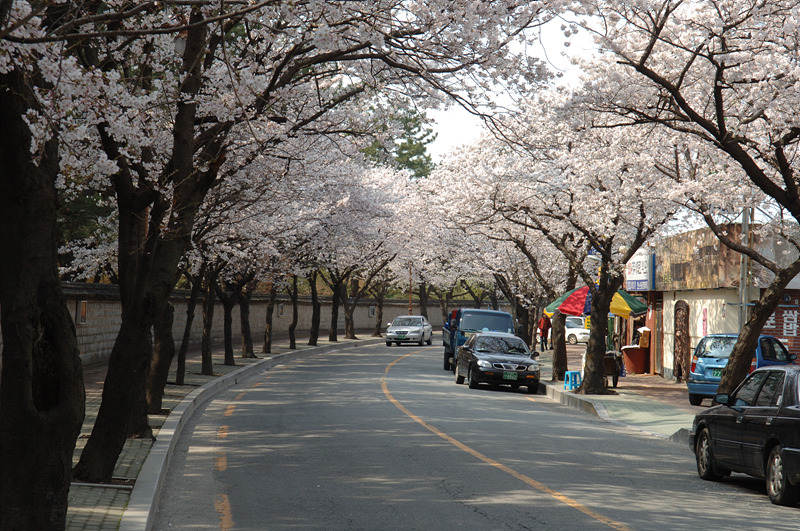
<point>716,347</point>
<point>407,321</point>
<point>502,345</point>
<point>484,321</point>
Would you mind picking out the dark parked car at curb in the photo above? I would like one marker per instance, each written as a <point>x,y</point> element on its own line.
<point>755,431</point>
<point>466,321</point>
<point>497,358</point>
<point>711,356</point>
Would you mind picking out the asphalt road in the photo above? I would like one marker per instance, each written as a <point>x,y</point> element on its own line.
<point>382,438</point>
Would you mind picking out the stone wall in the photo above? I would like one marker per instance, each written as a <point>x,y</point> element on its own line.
<point>97,314</point>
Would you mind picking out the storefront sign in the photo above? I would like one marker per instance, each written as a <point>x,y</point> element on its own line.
<point>639,271</point>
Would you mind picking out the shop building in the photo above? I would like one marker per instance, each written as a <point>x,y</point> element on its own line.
<point>718,286</point>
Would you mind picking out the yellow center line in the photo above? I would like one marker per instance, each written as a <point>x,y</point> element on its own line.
<point>230,409</point>
<point>488,460</point>
<point>223,506</point>
<point>221,462</point>
<point>222,432</point>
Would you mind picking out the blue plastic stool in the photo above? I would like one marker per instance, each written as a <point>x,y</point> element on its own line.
<point>572,380</point>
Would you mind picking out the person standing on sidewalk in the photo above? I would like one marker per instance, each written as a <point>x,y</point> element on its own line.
<point>544,329</point>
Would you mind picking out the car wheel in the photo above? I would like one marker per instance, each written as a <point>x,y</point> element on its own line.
<point>705,458</point>
<point>572,340</point>
<point>473,381</point>
<point>429,341</point>
<point>459,378</point>
<point>780,491</point>
<point>615,379</point>
<point>446,361</point>
<point>397,343</point>
<point>695,400</point>
<point>533,389</point>
<point>388,343</point>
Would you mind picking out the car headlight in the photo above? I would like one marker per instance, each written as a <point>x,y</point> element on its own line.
<point>483,363</point>
<point>533,368</point>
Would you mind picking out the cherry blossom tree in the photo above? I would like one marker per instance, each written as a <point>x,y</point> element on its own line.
<point>560,173</point>
<point>722,74</point>
<point>524,265</point>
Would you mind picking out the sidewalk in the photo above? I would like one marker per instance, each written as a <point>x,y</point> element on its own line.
<point>644,402</point>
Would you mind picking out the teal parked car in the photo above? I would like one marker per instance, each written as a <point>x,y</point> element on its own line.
<point>711,356</point>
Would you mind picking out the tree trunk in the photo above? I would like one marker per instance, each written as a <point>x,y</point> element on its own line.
<point>126,366</point>
<point>244,314</point>
<point>423,299</point>
<point>522,325</point>
<point>739,362</point>
<point>41,384</point>
<point>681,343</point>
<point>380,295</point>
<point>209,302</point>
<point>316,310</point>
<point>335,298</point>
<point>349,307</point>
<point>194,295</point>
<point>229,299</point>
<point>594,371</point>
<point>559,345</point>
<point>267,347</point>
<point>295,315</point>
<point>163,353</point>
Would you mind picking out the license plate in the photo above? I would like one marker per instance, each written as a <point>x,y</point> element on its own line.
<point>401,336</point>
<point>716,373</point>
<point>509,376</point>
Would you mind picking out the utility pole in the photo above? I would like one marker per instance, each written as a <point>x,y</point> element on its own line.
<point>410,289</point>
<point>744,266</point>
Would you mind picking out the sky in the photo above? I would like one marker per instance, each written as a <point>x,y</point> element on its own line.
<point>456,127</point>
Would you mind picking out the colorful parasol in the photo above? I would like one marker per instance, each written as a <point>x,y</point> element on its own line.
<point>579,302</point>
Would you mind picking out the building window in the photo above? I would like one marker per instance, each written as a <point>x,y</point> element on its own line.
<point>372,311</point>
<point>81,311</point>
<point>280,309</point>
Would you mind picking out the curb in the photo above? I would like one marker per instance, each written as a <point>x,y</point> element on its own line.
<point>596,408</point>
<point>138,515</point>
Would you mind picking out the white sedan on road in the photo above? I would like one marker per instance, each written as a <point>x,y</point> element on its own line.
<point>409,329</point>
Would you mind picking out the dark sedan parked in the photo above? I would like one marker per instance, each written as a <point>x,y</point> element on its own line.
<point>497,358</point>
<point>756,431</point>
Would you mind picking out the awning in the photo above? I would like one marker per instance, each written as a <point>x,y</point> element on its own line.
<point>579,302</point>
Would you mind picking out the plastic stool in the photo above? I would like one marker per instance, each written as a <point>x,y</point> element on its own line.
<point>572,380</point>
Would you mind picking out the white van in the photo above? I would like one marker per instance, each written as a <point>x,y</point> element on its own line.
<point>575,330</point>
